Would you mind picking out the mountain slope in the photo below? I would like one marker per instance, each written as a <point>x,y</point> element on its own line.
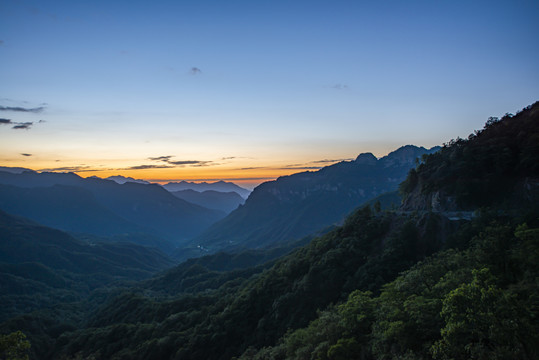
<point>149,206</point>
<point>297,205</point>
<point>211,199</point>
<point>66,208</point>
<point>497,166</point>
<point>221,186</point>
<point>41,266</point>
<point>22,240</point>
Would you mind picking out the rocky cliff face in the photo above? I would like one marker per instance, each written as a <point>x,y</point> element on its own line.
<point>436,201</point>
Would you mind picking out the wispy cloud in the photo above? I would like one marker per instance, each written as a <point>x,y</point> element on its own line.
<point>69,168</point>
<point>144,167</point>
<point>340,87</point>
<point>25,154</point>
<point>325,161</point>
<point>161,158</point>
<point>286,167</point>
<point>18,125</point>
<point>253,168</point>
<point>299,168</point>
<point>167,159</point>
<point>191,162</point>
<point>23,126</point>
<point>22,109</point>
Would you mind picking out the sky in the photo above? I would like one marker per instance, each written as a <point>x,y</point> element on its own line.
<point>247,91</point>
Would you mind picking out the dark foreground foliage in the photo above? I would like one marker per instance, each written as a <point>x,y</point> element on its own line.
<point>480,303</point>
<point>255,309</point>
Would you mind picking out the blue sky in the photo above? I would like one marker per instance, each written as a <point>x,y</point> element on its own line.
<point>225,86</point>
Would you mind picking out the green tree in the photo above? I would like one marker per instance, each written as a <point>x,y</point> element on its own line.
<point>14,346</point>
<point>377,206</point>
<point>482,321</point>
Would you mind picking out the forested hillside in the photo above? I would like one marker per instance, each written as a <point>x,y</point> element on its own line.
<point>419,282</point>
<point>254,307</point>
<point>496,166</point>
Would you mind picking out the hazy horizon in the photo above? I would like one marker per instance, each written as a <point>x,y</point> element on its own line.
<point>247,183</point>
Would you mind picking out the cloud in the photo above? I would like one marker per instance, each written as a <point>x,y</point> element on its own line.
<point>253,168</point>
<point>144,167</point>
<point>340,87</point>
<point>165,158</point>
<point>288,167</point>
<point>24,125</point>
<point>228,158</point>
<point>69,168</point>
<point>190,162</point>
<point>195,71</point>
<point>22,109</point>
<point>19,125</point>
<point>329,161</point>
<point>180,163</point>
<point>1,42</point>
<point>25,154</point>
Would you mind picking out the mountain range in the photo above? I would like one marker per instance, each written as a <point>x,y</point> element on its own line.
<point>122,179</point>
<point>103,207</point>
<point>211,199</point>
<point>297,205</point>
<point>220,186</point>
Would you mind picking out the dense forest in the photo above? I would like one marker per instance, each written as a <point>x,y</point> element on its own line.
<point>451,274</point>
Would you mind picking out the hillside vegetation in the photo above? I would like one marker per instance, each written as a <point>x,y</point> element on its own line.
<point>411,283</point>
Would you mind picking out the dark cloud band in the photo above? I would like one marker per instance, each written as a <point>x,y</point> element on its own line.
<point>23,126</point>
<point>22,109</point>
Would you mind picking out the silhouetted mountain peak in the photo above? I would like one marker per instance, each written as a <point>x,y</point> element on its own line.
<point>15,170</point>
<point>122,180</point>
<point>406,155</point>
<point>366,159</point>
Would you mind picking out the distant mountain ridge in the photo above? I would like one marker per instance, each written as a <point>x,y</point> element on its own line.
<point>64,200</point>
<point>211,199</point>
<point>15,170</point>
<point>297,205</point>
<point>122,179</point>
<point>221,186</point>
